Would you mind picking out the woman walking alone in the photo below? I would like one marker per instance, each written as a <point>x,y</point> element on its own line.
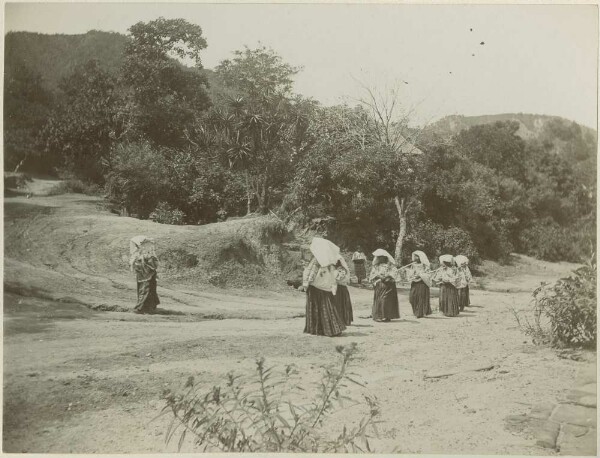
<point>446,276</point>
<point>342,297</point>
<point>319,282</point>
<point>418,275</point>
<point>385,297</point>
<point>463,279</point>
<point>144,262</point>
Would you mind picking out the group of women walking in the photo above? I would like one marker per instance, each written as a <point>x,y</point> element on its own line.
<point>328,304</point>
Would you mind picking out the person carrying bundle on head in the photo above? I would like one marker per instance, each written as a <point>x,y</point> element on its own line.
<point>319,282</point>
<point>385,296</point>
<point>463,279</point>
<point>446,277</point>
<point>144,262</point>
<point>342,297</point>
<point>420,281</point>
<point>359,259</point>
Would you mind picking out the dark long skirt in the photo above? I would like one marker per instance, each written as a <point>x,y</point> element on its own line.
<point>322,318</point>
<point>419,299</point>
<point>463,298</point>
<point>147,296</point>
<point>449,299</point>
<point>360,270</point>
<point>343,305</point>
<point>385,301</point>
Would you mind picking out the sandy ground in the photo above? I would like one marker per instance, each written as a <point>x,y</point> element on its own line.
<point>82,374</point>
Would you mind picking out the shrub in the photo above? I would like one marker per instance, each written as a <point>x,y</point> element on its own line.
<point>436,240</point>
<point>75,186</point>
<point>261,412</point>
<point>178,258</point>
<point>564,313</point>
<point>165,214</point>
<point>549,241</point>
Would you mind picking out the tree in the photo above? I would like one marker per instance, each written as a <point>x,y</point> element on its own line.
<point>167,96</point>
<point>259,123</point>
<point>88,121</point>
<point>389,125</point>
<point>27,104</point>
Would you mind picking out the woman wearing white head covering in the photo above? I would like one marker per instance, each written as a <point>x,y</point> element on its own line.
<point>319,281</point>
<point>446,276</point>
<point>343,303</point>
<point>463,279</point>
<point>420,279</point>
<point>144,262</point>
<point>384,275</point>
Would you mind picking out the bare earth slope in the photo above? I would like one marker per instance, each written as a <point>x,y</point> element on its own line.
<point>82,374</point>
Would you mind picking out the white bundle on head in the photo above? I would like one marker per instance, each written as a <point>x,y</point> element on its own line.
<point>446,258</point>
<point>382,252</point>
<point>140,245</point>
<point>422,257</point>
<point>325,252</point>
<point>461,260</point>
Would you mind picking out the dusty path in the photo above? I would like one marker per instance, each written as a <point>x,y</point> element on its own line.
<point>82,380</point>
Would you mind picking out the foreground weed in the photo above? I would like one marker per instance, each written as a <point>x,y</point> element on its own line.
<point>269,411</point>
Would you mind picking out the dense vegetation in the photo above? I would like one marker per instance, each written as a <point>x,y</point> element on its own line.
<point>186,145</point>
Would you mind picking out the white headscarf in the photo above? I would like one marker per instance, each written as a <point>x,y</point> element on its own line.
<point>382,252</point>
<point>461,260</point>
<point>446,258</point>
<point>326,252</point>
<point>422,257</point>
<point>343,263</point>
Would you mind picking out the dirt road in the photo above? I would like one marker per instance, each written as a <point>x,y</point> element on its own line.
<point>87,381</point>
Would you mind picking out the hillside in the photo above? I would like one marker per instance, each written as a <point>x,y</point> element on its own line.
<point>83,376</point>
<point>55,56</point>
<point>531,126</point>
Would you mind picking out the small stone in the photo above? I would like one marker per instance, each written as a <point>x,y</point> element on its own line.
<point>575,415</point>
<point>542,411</point>
<point>589,388</point>
<point>587,401</point>
<point>573,441</point>
<point>546,434</point>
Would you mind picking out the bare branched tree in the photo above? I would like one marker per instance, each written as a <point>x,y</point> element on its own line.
<point>390,126</point>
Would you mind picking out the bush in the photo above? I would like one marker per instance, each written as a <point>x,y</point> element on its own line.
<point>548,241</point>
<point>75,186</point>
<point>436,240</point>
<point>564,313</point>
<point>261,413</point>
<point>178,258</point>
<point>136,180</point>
<point>165,214</point>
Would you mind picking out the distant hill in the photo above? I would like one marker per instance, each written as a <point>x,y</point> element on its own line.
<point>55,56</point>
<point>531,125</point>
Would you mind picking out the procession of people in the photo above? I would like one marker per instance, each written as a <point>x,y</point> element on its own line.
<point>326,278</point>
<point>328,302</point>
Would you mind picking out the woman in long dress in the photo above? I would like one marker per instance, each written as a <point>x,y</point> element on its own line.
<point>420,279</point>
<point>464,277</point>
<point>359,259</point>
<point>144,262</point>
<point>342,297</point>
<point>446,276</point>
<point>383,276</point>
<point>320,284</point>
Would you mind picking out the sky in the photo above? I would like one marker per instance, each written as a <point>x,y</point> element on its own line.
<point>540,59</point>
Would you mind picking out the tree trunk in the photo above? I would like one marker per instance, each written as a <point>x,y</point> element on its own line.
<point>401,207</point>
<point>248,195</point>
<point>264,198</point>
